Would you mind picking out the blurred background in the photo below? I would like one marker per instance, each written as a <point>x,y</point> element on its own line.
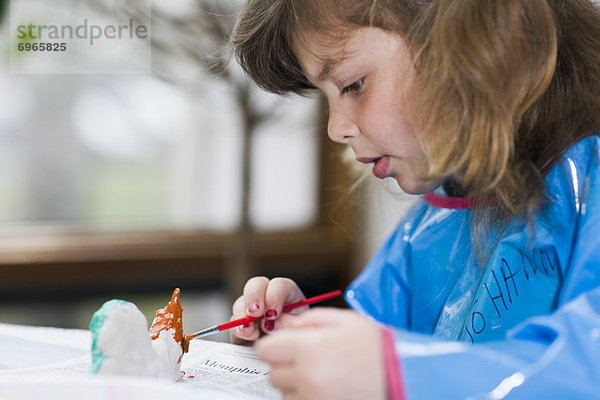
<point>128,184</point>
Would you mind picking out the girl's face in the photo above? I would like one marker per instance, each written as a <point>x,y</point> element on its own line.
<point>366,84</point>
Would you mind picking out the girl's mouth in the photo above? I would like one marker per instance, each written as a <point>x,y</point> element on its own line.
<point>381,165</point>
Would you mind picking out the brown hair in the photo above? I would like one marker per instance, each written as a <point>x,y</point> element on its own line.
<point>513,83</point>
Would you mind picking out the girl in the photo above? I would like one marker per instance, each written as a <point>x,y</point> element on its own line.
<point>490,286</point>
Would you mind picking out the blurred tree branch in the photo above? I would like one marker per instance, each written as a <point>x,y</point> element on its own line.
<point>200,37</point>
<point>3,5</point>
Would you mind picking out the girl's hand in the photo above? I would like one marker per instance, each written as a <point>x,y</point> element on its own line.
<point>265,297</point>
<point>326,354</point>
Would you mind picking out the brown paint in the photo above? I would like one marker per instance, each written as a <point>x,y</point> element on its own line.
<point>170,317</point>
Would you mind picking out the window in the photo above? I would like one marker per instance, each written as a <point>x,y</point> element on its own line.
<point>111,181</point>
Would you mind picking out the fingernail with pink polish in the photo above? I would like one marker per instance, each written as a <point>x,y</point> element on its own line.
<point>246,325</point>
<point>269,325</point>
<point>252,308</point>
<point>271,313</point>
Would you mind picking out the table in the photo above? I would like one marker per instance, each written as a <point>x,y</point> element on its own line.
<point>52,363</point>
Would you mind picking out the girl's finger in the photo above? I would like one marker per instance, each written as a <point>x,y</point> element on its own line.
<point>244,332</point>
<point>271,325</point>
<point>280,348</point>
<point>284,377</point>
<point>321,316</point>
<point>279,292</point>
<point>254,296</point>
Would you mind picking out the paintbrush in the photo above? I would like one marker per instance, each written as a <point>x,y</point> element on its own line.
<point>248,319</point>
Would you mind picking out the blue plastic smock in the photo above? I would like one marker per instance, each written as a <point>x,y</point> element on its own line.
<point>526,325</point>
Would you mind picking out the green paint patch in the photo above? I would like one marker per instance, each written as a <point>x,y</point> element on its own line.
<point>96,325</point>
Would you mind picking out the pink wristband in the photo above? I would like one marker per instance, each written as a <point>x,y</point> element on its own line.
<point>395,389</point>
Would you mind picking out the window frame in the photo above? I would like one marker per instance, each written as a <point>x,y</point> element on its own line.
<point>70,262</point>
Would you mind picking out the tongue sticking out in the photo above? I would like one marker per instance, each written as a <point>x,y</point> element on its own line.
<point>381,167</point>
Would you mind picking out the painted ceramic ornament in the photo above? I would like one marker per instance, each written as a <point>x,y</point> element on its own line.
<point>122,344</point>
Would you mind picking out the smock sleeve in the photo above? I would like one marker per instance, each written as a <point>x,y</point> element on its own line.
<point>550,357</point>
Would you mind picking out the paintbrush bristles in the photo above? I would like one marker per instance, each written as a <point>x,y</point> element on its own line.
<point>203,332</point>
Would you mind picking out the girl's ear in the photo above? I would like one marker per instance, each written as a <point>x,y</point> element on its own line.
<point>480,64</point>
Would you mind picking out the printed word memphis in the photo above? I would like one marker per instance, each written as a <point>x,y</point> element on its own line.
<point>83,31</point>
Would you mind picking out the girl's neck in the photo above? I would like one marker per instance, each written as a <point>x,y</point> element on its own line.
<point>453,189</point>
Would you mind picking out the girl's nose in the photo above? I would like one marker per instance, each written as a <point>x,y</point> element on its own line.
<point>340,128</point>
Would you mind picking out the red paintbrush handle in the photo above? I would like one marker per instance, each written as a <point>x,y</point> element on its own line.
<point>237,322</point>
<point>311,300</point>
<point>287,307</point>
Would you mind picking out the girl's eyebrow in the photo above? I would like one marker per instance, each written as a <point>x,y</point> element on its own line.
<point>326,68</point>
<point>329,65</point>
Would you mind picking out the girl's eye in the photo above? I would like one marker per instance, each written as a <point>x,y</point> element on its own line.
<point>354,87</point>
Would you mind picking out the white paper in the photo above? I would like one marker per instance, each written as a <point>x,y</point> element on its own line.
<point>229,367</point>
<point>53,363</point>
